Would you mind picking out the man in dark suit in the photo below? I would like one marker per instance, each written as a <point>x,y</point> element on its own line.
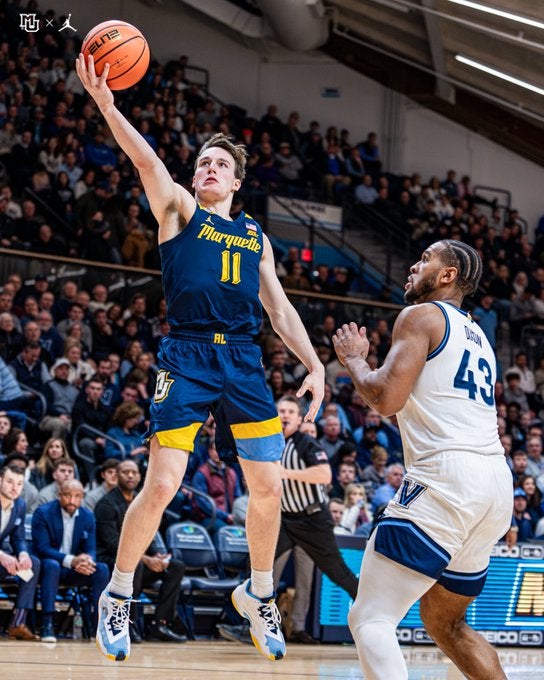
<point>154,565</point>
<point>64,537</point>
<point>14,555</point>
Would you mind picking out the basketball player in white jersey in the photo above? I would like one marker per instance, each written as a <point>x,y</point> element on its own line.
<point>434,540</point>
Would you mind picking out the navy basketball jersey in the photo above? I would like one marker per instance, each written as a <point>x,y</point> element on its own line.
<point>211,274</point>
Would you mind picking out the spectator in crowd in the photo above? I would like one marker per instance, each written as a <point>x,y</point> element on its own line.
<point>332,438</point>
<point>370,154</point>
<point>154,565</point>
<point>297,279</point>
<point>356,517</point>
<point>75,315</point>
<point>384,493</point>
<point>64,538</point>
<point>535,459</point>
<point>106,476</point>
<point>373,475</point>
<point>365,192</point>
<point>11,340</point>
<point>111,396</point>
<point>16,441</point>
<point>50,339</point>
<point>336,175</point>
<point>355,166</point>
<point>61,397</point>
<point>487,318</point>
<point>534,498</point>
<point>513,392</point>
<point>63,470</point>
<point>30,372</point>
<point>519,464</point>
<point>527,378</point>
<point>522,519</point>
<point>523,312</point>
<point>12,530</point>
<point>346,474</point>
<point>336,508</point>
<point>42,473</point>
<point>89,410</point>
<point>79,369</point>
<point>11,396</point>
<point>289,168</point>
<point>125,430</point>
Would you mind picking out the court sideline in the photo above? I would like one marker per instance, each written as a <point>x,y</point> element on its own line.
<point>203,660</point>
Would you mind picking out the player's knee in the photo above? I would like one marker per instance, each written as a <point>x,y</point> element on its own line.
<point>160,491</point>
<point>370,633</point>
<point>266,488</point>
<point>273,489</point>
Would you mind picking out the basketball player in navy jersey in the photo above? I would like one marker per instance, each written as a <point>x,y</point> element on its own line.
<point>434,540</point>
<point>216,272</point>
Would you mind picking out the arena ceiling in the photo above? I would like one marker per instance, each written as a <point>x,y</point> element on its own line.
<point>425,48</point>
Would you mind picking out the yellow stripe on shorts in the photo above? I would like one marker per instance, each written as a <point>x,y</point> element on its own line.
<point>256,430</point>
<point>180,438</point>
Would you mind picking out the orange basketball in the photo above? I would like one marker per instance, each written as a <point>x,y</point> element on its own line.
<point>123,47</point>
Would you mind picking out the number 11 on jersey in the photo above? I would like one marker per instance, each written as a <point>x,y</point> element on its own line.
<point>230,267</point>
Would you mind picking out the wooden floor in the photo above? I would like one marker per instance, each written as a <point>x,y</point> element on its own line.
<point>229,661</point>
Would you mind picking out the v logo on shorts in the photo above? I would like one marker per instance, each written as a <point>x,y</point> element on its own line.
<point>409,492</point>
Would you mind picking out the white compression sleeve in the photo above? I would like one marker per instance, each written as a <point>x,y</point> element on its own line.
<point>386,592</point>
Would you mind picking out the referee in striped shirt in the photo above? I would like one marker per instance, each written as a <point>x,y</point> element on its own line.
<point>305,517</point>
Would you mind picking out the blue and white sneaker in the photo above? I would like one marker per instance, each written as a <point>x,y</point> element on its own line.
<point>112,633</point>
<point>264,621</point>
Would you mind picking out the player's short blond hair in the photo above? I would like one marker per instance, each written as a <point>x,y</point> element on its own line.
<point>237,151</point>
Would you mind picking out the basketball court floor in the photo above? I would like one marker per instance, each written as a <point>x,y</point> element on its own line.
<point>204,660</point>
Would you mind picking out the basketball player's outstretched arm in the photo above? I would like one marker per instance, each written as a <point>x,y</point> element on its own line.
<point>167,199</point>
<point>288,325</point>
<point>387,388</point>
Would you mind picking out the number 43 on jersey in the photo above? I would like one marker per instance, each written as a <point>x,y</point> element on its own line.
<point>480,384</point>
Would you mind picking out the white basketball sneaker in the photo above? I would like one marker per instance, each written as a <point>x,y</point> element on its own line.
<point>264,621</point>
<point>112,633</point>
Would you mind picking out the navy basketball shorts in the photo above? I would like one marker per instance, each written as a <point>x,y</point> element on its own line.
<point>223,374</point>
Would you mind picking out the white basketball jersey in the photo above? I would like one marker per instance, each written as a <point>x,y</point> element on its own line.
<point>452,404</point>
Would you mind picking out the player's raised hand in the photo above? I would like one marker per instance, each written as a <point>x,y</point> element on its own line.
<point>314,383</point>
<point>350,342</point>
<point>95,85</point>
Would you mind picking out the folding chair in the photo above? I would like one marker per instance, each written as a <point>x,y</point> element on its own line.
<point>233,550</point>
<point>207,591</point>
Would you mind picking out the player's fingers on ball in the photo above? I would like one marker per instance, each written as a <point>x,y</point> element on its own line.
<point>90,66</point>
<point>104,75</point>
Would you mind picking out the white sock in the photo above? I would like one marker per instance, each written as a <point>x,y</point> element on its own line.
<point>262,584</point>
<point>121,582</point>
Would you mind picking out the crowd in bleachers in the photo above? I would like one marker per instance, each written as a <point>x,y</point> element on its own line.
<point>77,365</point>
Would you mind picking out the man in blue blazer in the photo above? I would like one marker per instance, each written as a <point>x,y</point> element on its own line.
<point>64,537</point>
<point>14,553</point>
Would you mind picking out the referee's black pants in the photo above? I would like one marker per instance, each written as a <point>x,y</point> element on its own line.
<point>315,535</point>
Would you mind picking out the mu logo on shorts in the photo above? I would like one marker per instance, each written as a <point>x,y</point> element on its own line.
<point>164,383</point>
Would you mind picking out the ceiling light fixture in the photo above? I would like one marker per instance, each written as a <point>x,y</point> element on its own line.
<point>500,13</point>
<point>393,5</point>
<point>499,74</point>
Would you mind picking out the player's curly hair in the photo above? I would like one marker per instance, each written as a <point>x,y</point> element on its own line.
<point>237,151</point>
<point>467,262</point>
